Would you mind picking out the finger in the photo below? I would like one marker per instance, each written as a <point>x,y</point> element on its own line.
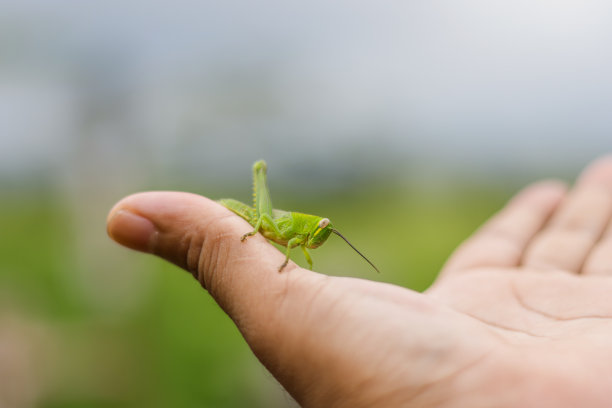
<point>599,260</point>
<point>502,240</point>
<point>203,237</point>
<point>578,224</point>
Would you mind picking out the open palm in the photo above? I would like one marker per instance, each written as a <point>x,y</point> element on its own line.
<point>520,315</point>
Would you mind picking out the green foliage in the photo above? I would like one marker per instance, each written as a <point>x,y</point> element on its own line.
<point>176,347</point>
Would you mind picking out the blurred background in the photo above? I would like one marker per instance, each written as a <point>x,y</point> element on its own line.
<point>407,123</point>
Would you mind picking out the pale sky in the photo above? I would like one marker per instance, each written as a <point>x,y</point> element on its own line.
<point>497,85</point>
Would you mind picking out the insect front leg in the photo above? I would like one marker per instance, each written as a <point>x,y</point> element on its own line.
<point>293,242</point>
<point>307,256</point>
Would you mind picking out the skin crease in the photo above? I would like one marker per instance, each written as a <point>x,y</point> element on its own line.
<point>521,315</point>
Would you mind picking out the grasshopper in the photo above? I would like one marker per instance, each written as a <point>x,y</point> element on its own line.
<point>289,229</point>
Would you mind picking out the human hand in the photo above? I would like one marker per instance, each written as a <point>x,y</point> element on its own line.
<point>521,315</point>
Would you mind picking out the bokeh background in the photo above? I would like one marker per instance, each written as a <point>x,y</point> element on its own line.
<point>408,123</point>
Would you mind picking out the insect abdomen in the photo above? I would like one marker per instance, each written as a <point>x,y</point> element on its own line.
<point>239,208</point>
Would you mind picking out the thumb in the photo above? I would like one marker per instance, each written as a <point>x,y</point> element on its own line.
<point>203,237</point>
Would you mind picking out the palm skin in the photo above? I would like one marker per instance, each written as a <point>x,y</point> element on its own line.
<point>520,315</point>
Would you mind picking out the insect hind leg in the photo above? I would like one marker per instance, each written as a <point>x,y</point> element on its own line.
<point>269,223</point>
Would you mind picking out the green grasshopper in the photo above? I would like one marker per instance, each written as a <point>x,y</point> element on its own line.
<point>289,229</point>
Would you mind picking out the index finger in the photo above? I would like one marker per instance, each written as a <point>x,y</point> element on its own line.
<point>501,241</point>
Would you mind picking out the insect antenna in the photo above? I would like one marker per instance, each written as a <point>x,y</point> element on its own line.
<point>356,250</point>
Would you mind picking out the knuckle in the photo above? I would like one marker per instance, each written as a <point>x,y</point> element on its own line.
<point>209,251</point>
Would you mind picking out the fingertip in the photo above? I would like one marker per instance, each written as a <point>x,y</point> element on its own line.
<point>191,231</point>
<point>131,230</point>
<point>157,220</point>
<point>598,172</point>
<point>548,186</point>
<point>545,191</point>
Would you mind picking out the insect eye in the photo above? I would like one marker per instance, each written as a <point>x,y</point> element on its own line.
<point>324,223</point>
